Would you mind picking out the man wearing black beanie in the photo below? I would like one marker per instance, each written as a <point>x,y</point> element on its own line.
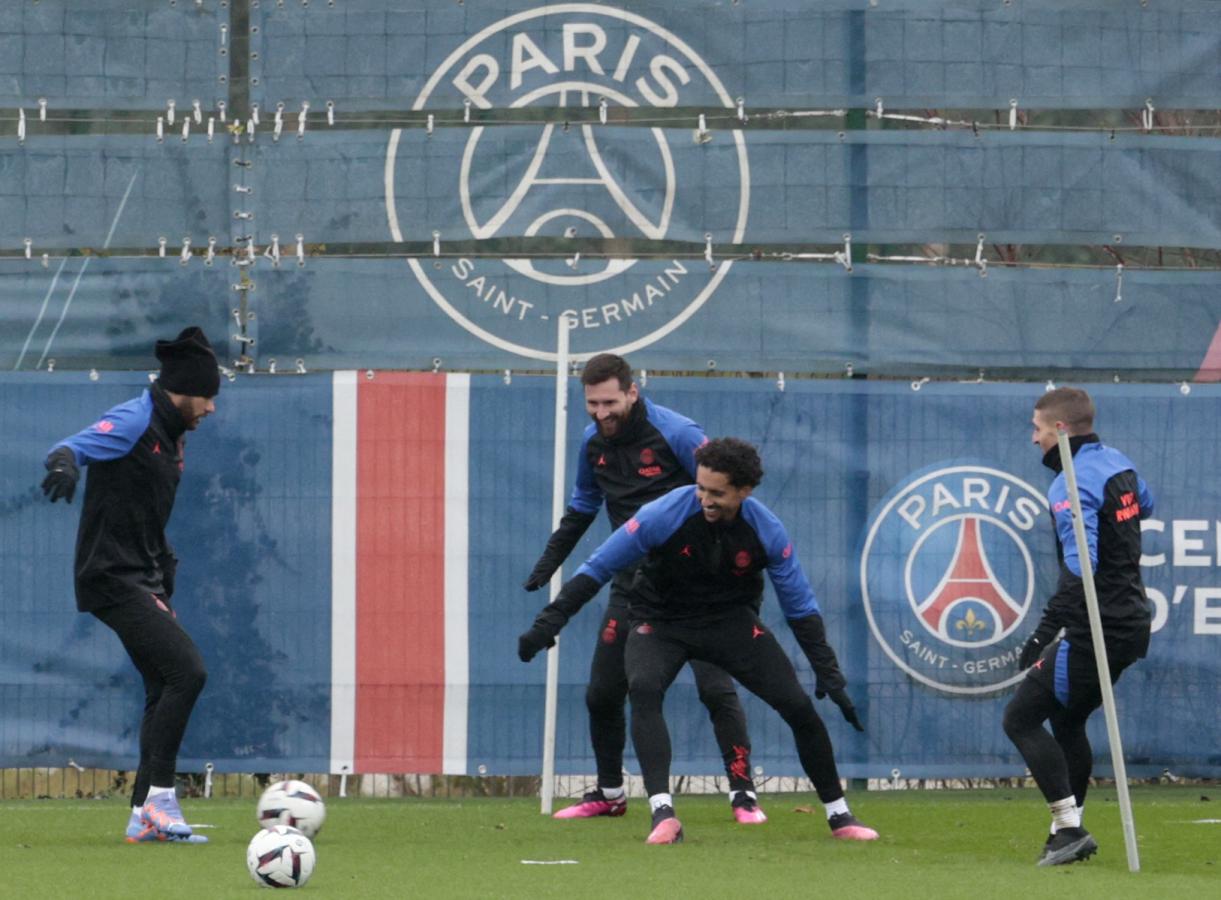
<point>125,565</point>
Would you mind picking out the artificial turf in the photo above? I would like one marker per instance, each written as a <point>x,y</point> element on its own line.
<point>940,844</point>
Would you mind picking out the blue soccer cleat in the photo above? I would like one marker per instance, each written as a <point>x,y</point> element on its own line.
<point>140,833</point>
<point>163,813</point>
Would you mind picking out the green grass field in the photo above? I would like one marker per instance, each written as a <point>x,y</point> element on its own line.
<point>947,844</point>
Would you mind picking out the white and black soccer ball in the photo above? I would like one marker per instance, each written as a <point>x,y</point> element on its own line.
<point>280,857</point>
<point>292,803</point>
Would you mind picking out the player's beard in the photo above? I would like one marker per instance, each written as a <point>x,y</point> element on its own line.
<point>612,425</point>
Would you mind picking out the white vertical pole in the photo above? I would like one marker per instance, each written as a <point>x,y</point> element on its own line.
<point>560,453</point>
<point>1100,653</point>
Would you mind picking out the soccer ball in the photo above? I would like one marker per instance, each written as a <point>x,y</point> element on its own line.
<point>280,857</point>
<point>292,803</point>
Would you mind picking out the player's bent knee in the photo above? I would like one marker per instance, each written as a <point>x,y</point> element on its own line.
<point>719,698</point>
<point>192,680</point>
<point>646,698</point>
<point>1016,721</point>
<point>603,699</point>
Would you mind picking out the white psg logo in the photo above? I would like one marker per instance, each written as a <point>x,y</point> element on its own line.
<point>547,180</point>
<point>948,576</point>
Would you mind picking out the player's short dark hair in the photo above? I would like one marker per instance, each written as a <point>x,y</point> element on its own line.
<point>605,366</point>
<point>734,458</point>
<point>1069,405</point>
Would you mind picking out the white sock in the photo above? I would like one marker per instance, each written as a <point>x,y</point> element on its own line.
<point>611,793</point>
<point>136,810</point>
<point>1080,815</point>
<point>836,807</point>
<point>154,791</point>
<point>733,795</point>
<point>1064,813</point>
<point>658,800</point>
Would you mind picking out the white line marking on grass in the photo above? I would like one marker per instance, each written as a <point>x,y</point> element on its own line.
<point>550,862</point>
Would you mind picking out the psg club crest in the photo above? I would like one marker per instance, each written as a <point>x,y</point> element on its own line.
<point>555,179</point>
<point>949,574</point>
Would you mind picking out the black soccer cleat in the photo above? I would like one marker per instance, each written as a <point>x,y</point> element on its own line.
<point>1068,845</point>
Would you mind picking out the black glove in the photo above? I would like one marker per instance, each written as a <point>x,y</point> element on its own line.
<point>540,575</point>
<point>541,634</point>
<point>572,526</point>
<point>1036,644</point>
<point>576,592</point>
<point>1031,651</point>
<point>62,475</point>
<point>811,636</point>
<point>841,699</point>
<point>532,642</point>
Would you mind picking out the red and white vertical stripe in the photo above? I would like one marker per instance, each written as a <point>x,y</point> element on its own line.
<point>400,667</point>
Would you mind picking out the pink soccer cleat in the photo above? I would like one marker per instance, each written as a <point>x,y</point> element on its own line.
<point>594,803</point>
<point>746,810</point>
<point>846,827</point>
<point>666,827</point>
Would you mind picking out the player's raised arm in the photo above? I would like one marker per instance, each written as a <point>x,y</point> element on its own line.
<point>110,437</point>
<point>649,527</point>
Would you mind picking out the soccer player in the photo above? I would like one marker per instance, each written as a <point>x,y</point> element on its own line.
<point>697,596</point>
<point>125,566</point>
<point>633,452</point>
<point>1061,685</point>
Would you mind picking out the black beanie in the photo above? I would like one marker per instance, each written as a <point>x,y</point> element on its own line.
<point>188,365</point>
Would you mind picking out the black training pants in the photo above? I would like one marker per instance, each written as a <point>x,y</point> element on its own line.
<point>608,689</point>
<point>173,673</point>
<point>1062,688</point>
<point>737,642</point>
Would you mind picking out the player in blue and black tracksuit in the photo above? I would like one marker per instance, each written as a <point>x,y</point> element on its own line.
<point>1061,684</point>
<point>125,565</point>
<point>696,597</point>
<point>635,451</point>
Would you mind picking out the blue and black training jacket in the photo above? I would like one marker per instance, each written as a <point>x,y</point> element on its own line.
<point>696,569</point>
<point>135,456</point>
<point>654,454</point>
<point>1114,499</point>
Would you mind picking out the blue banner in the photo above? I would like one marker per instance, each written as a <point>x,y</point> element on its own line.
<point>118,54</point>
<point>877,483</point>
<point>104,192</point>
<point>251,528</point>
<point>370,54</point>
<point>741,186</point>
<point>728,191</point>
<point>466,313</point>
